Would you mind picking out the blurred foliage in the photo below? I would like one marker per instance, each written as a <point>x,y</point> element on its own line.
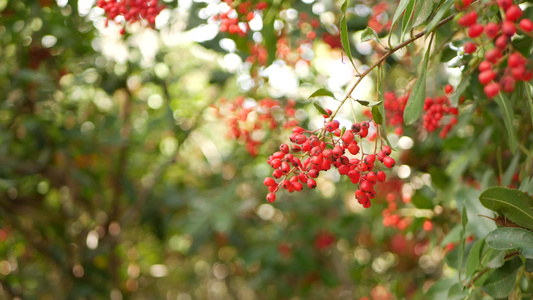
<point>117,180</point>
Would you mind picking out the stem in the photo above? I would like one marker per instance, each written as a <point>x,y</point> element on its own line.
<point>382,59</point>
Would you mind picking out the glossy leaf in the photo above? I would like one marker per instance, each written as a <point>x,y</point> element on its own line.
<point>408,18</point>
<point>513,204</point>
<point>506,238</point>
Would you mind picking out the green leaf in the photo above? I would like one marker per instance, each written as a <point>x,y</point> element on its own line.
<point>502,281</point>
<point>529,265</point>
<point>439,290</point>
<point>369,34</point>
<point>415,103</point>
<point>457,292</point>
<point>439,16</point>
<point>510,171</point>
<point>459,91</point>
<point>508,117</point>
<point>474,258</point>
<point>527,253</point>
<point>506,238</point>
<point>320,108</point>
<point>322,92</point>
<point>407,17</point>
<point>515,205</point>
<point>345,40</point>
<point>527,87</point>
<point>422,12</point>
<point>399,11</point>
<point>381,100</point>
<point>368,103</point>
<point>493,258</point>
<point>377,115</point>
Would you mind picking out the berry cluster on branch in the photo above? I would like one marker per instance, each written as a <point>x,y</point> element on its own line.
<point>132,11</point>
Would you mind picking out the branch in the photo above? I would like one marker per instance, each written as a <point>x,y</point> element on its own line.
<point>383,58</point>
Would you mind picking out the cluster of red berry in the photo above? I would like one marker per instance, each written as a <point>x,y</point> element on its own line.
<point>235,21</point>
<point>310,154</point>
<point>390,216</point>
<point>394,107</point>
<point>436,109</point>
<point>500,34</point>
<point>131,10</point>
<point>249,118</point>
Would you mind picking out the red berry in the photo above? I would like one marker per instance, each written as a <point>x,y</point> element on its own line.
<point>486,76</point>
<point>470,47</point>
<point>387,150</point>
<point>508,28</point>
<point>508,84</point>
<point>269,181</point>
<point>366,186</point>
<point>428,226</point>
<point>491,30</point>
<point>311,183</point>
<point>468,20</point>
<point>381,176</point>
<point>389,162</point>
<point>504,4</point>
<point>501,42</point>
<point>271,197</point>
<point>492,89</point>
<point>513,13</point>
<point>475,30</point>
<point>518,72</point>
<point>284,148</point>
<point>526,25</point>
<point>484,66</point>
<point>515,60</point>
<point>347,137</point>
<point>493,55</point>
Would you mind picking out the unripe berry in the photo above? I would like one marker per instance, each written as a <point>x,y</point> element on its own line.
<point>271,197</point>
<point>492,89</point>
<point>389,162</point>
<point>470,47</point>
<point>526,25</point>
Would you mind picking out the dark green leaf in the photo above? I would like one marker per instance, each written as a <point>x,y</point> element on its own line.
<point>513,204</point>
<point>508,117</point>
<point>415,103</point>
<point>493,258</point>
<point>320,108</point>
<point>506,238</point>
<point>381,101</point>
<point>527,88</point>
<point>447,54</point>
<point>502,281</point>
<point>363,102</point>
<point>474,258</point>
<point>322,92</point>
<point>511,170</point>
<point>439,16</point>
<point>377,115</point>
<point>529,265</point>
